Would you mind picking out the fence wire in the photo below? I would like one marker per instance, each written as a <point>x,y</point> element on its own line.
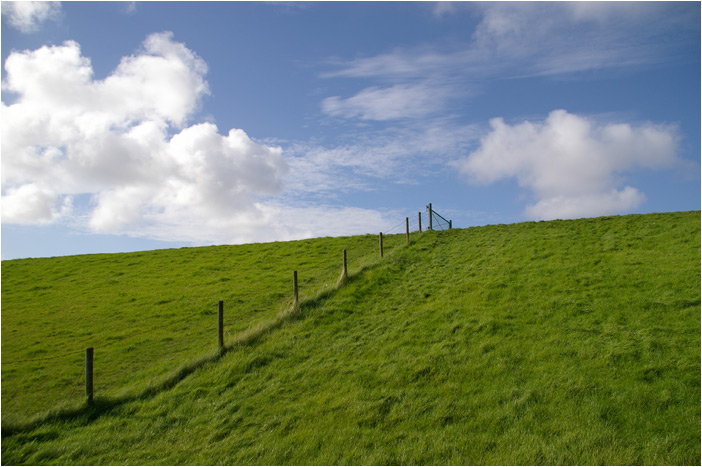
<point>413,222</point>
<point>103,345</point>
<point>438,222</point>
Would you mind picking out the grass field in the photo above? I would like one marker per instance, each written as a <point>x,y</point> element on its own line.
<point>564,342</point>
<point>146,313</point>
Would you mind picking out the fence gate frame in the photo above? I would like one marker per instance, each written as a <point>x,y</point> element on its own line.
<point>433,213</point>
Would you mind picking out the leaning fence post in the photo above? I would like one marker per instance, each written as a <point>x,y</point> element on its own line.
<point>89,374</point>
<point>380,237</point>
<point>407,229</point>
<point>295,287</point>
<point>220,325</point>
<point>420,221</point>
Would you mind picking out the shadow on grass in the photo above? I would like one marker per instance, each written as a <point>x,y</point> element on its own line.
<point>103,405</point>
<point>298,311</point>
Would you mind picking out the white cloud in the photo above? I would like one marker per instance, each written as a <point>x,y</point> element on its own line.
<point>571,164</point>
<point>29,16</point>
<point>125,143</point>
<point>68,134</point>
<point>33,204</point>
<point>587,205</point>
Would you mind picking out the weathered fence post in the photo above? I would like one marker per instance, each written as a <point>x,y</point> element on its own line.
<point>380,237</point>
<point>89,374</point>
<point>407,229</point>
<point>344,272</point>
<point>450,225</point>
<point>430,216</point>
<point>295,287</point>
<point>220,325</point>
<point>420,221</point>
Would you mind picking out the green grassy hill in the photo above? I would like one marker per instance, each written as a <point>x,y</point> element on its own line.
<point>565,342</point>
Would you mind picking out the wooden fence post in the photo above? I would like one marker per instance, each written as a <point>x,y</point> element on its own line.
<point>380,237</point>
<point>295,286</point>
<point>430,216</point>
<point>89,374</point>
<point>407,229</point>
<point>345,272</point>
<point>220,325</point>
<point>420,221</point>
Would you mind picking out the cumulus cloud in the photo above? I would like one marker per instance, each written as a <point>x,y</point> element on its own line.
<point>33,204</point>
<point>127,144</point>
<point>124,141</point>
<point>572,165</point>
<point>29,16</point>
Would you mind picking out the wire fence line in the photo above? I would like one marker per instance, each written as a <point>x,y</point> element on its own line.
<point>415,222</point>
<point>437,222</point>
<point>101,346</point>
<point>41,359</point>
<point>396,228</point>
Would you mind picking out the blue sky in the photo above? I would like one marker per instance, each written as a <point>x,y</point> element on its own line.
<point>130,126</point>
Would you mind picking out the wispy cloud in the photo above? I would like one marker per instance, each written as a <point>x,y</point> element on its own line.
<point>266,222</point>
<point>401,101</point>
<point>28,17</point>
<point>571,164</point>
<point>402,154</point>
<point>130,8</point>
<point>513,39</point>
<point>441,9</point>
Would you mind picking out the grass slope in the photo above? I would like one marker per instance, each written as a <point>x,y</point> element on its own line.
<point>566,342</point>
<point>147,314</point>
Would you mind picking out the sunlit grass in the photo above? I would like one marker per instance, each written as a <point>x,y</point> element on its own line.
<point>145,313</point>
<point>567,342</point>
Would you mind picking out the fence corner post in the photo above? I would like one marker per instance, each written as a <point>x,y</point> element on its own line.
<point>431,227</point>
